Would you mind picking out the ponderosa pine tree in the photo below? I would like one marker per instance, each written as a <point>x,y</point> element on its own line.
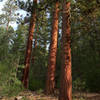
<point>66,78</point>
<point>50,82</point>
<point>8,13</point>
<point>29,45</point>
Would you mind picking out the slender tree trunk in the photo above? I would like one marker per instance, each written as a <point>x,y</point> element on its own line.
<point>50,83</point>
<point>8,21</point>
<point>66,78</point>
<point>29,46</point>
<point>7,26</point>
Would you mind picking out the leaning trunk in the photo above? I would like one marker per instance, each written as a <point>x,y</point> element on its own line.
<point>29,46</point>
<point>50,82</point>
<point>66,78</point>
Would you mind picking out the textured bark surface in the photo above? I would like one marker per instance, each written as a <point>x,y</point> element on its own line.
<point>50,83</point>
<point>66,78</point>
<point>29,46</point>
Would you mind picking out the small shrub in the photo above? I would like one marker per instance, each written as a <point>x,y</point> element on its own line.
<point>9,84</point>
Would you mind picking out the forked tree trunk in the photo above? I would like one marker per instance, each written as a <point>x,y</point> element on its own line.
<point>50,82</point>
<point>29,46</point>
<point>65,92</point>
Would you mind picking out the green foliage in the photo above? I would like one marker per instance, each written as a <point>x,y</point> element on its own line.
<point>5,42</point>
<point>93,79</point>
<point>36,84</point>
<point>79,85</point>
<point>9,84</point>
<point>24,98</point>
<point>10,57</point>
<point>38,69</point>
<point>8,12</point>
<point>19,43</point>
<point>85,44</point>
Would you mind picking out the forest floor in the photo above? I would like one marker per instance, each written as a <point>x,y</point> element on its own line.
<point>27,95</point>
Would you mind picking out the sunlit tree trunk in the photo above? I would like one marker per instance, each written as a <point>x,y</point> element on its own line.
<point>50,82</point>
<point>29,46</point>
<point>66,78</point>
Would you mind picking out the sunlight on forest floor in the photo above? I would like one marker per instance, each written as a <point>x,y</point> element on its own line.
<point>27,95</point>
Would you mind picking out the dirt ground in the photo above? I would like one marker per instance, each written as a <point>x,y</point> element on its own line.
<point>27,95</point>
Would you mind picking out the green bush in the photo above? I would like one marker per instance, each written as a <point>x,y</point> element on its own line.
<point>93,80</point>
<point>79,85</point>
<point>35,84</point>
<point>9,84</point>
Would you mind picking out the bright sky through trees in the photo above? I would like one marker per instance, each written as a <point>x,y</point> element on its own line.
<point>23,13</point>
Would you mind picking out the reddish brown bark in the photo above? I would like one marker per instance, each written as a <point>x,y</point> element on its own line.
<point>66,78</point>
<point>29,46</point>
<point>50,83</point>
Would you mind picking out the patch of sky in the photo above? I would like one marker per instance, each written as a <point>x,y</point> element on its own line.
<point>21,12</point>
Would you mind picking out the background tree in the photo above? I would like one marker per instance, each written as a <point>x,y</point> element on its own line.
<point>9,13</point>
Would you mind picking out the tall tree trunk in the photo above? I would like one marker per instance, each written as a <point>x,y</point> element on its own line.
<point>29,46</point>
<point>50,82</point>
<point>66,78</point>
